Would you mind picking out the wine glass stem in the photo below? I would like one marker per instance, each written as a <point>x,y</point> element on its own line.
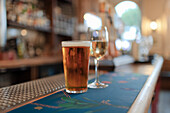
<point>96,74</point>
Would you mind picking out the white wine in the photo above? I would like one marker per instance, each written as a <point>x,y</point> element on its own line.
<point>98,49</point>
<point>99,39</point>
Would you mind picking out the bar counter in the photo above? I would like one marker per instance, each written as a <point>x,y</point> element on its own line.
<point>7,64</point>
<point>30,62</point>
<point>18,95</point>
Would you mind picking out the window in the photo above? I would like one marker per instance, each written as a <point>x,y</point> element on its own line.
<point>130,15</point>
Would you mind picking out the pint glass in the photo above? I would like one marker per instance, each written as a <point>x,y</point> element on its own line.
<point>76,56</point>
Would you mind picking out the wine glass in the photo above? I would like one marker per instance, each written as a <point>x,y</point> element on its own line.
<point>99,39</point>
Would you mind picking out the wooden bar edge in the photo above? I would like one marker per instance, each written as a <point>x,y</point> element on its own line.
<point>143,100</point>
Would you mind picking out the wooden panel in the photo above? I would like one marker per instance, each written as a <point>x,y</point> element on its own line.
<point>166,65</point>
<point>29,62</point>
<point>34,73</point>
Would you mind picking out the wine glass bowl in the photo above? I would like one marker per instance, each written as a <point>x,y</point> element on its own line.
<point>98,49</point>
<point>99,39</point>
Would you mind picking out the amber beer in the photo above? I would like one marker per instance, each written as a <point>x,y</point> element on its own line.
<point>76,65</point>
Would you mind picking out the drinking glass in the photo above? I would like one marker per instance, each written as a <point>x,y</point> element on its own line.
<point>76,55</point>
<point>99,39</point>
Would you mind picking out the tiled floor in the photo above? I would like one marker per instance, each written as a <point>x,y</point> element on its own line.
<point>164,102</point>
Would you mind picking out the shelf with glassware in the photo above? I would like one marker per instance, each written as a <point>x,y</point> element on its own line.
<point>33,43</point>
<point>64,21</point>
<point>29,25</point>
<point>23,26</point>
<point>28,14</point>
<point>64,25</point>
<point>48,19</point>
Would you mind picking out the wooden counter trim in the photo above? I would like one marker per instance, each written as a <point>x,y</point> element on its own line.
<point>29,62</point>
<point>143,100</point>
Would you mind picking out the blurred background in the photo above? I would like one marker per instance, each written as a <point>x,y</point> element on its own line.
<point>31,32</point>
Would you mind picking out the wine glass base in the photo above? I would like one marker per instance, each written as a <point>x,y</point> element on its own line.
<point>97,85</point>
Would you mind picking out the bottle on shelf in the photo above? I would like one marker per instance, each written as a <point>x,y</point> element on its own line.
<point>28,13</point>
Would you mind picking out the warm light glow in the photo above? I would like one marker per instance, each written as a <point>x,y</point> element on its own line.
<point>118,44</point>
<point>126,45</point>
<point>92,21</point>
<point>131,34</point>
<point>153,25</point>
<point>123,45</point>
<point>24,32</point>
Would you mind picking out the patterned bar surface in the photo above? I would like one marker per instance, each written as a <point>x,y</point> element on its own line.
<point>17,94</point>
<point>116,98</point>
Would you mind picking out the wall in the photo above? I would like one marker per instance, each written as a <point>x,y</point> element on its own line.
<point>155,10</point>
<point>167,33</point>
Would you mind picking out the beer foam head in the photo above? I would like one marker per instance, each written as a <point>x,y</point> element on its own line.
<point>76,43</point>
